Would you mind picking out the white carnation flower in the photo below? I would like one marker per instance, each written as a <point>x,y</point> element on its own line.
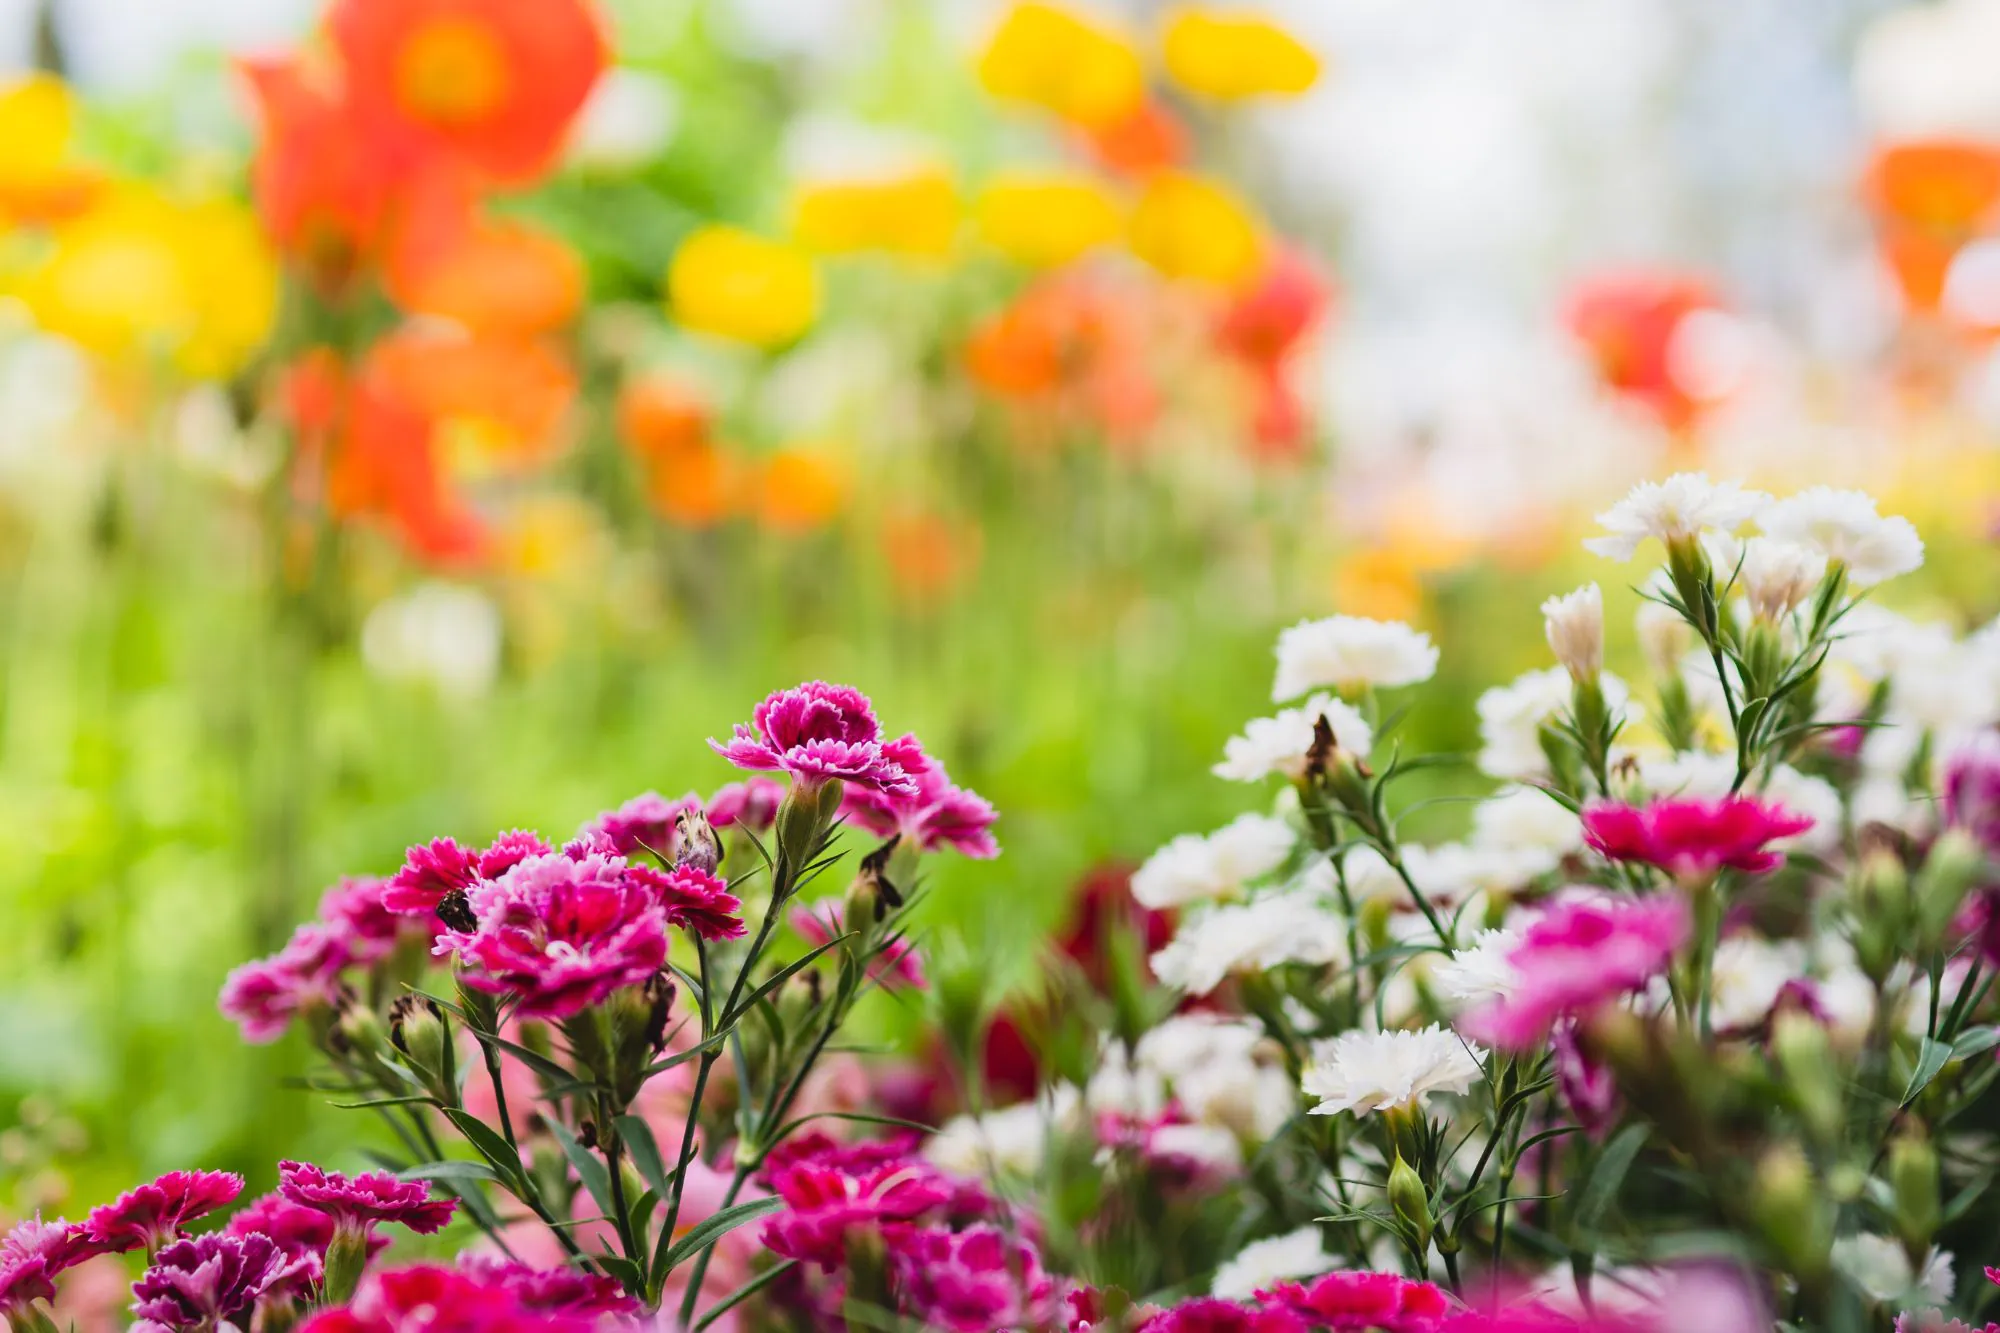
<point>1511,718</point>
<point>1522,817</point>
<point>1262,1264</point>
<point>1778,575</point>
<point>1481,971</point>
<point>1013,1139</point>
<point>1878,1266</point>
<point>1250,937</point>
<point>1749,973</point>
<point>1210,1147</point>
<point>1193,868</point>
<point>1683,506</point>
<point>1280,744</point>
<point>1844,527</point>
<point>1380,1071</point>
<point>1574,626</point>
<point>1451,872</point>
<point>1350,651</point>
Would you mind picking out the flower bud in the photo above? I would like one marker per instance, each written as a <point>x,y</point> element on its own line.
<point>1913,1188</point>
<point>359,1031</point>
<point>638,1028</point>
<point>1410,1202</point>
<point>1945,878</point>
<point>695,843</point>
<point>1574,626</point>
<point>418,1029</point>
<point>1784,1203</point>
<point>1804,1056</point>
<point>1880,893</point>
<point>346,1256</point>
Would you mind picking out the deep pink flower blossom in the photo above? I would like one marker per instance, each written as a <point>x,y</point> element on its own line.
<point>211,1279</point>
<point>644,823</point>
<point>823,1204</point>
<point>431,870</point>
<point>897,965</point>
<point>1936,1321</point>
<point>1587,1087</point>
<point>1387,1301</point>
<point>560,935</point>
<point>936,814</point>
<point>356,913</point>
<point>263,997</point>
<point>151,1215</point>
<point>1207,1314</point>
<point>302,1233</point>
<point>553,1290</point>
<point>1692,839</point>
<point>817,732</point>
<point>971,1281</point>
<point>821,1149</point>
<point>440,1300</point>
<point>33,1253</point>
<point>695,900</point>
<point>1578,956</point>
<point>751,803</point>
<point>1972,789</point>
<point>357,1203</point>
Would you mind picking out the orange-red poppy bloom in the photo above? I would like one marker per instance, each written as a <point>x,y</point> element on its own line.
<point>697,486</point>
<point>1069,347</point>
<point>1627,322</point>
<point>800,488</point>
<point>661,417</point>
<point>495,81</point>
<point>1262,329</point>
<point>489,275</point>
<point>1930,197</point>
<point>929,555</point>
<point>1146,139</point>
<point>497,404</point>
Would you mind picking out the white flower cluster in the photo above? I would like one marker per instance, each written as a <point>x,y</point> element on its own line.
<point>1383,1071</point>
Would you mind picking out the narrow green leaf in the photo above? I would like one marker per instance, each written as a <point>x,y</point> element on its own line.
<point>1932,1057</point>
<point>1974,1040</point>
<point>778,979</point>
<point>1606,1176</point>
<point>487,1141</point>
<point>744,1293</point>
<point>595,1178</point>
<point>424,1100</point>
<point>453,1170</point>
<point>645,1150</point>
<point>715,1226</point>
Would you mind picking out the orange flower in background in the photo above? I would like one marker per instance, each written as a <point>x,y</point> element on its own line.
<point>496,404</point>
<point>497,82</point>
<point>1047,219</point>
<point>914,214</point>
<point>1930,198</point>
<point>660,417</point>
<point>929,555</point>
<point>1058,60</point>
<point>1229,55</point>
<point>1187,226</point>
<point>698,486</point>
<point>666,424</point>
<point>1068,346</point>
<point>490,275</point>
<point>1146,139</point>
<point>800,489</point>
<point>1627,322</point>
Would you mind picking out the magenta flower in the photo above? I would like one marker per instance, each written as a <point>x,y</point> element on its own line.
<point>210,1280</point>
<point>1207,1314</point>
<point>560,935</point>
<point>302,1233</point>
<point>1587,1087</point>
<point>355,912</point>
<point>971,1281</point>
<point>357,1203</point>
<point>899,964</point>
<point>644,823</point>
<point>553,1290</point>
<point>695,900</point>
<point>33,1253</point>
<point>263,997</point>
<point>1693,839</point>
<point>435,869</point>
<point>440,1300</point>
<point>1972,789</point>
<point>822,1149</point>
<point>1578,956</point>
<point>1387,1301</point>
<point>936,814</point>
<point>823,1205</point>
<point>751,803</point>
<point>152,1215</point>
<point>817,732</point>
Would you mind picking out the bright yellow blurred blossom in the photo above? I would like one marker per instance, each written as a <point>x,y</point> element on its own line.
<point>1232,54</point>
<point>37,118</point>
<point>1047,219</point>
<point>733,284</point>
<point>1049,57</point>
<point>1187,226</point>
<point>911,214</point>
<point>143,274</point>
<point>801,488</point>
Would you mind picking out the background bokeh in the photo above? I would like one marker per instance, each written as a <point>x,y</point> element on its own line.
<point>1045,484</point>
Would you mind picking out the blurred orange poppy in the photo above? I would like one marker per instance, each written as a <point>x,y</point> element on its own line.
<point>928,554</point>
<point>498,404</point>
<point>1146,139</point>
<point>1627,322</point>
<point>698,485</point>
<point>489,275</point>
<point>1930,197</point>
<point>1069,347</point>
<point>660,417</point>
<point>801,488</point>
<point>496,81</point>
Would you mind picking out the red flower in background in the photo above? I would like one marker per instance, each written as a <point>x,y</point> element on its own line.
<point>1930,197</point>
<point>1264,329</point>
<point>1627,322</point>
<point>494,82</point>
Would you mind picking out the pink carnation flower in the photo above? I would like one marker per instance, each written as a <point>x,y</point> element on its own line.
<point>355,912</point>
<point>1693,839</point>
<point>695,900</point>
<point>1578,956</point>
<point>824,921</point>
<point>936,814</point>
<point>971,1281</point>
<point>302,1233</point>
<point>1386,1301</point>
<point>33,1253</point>
<point>823,1204</point>
<point>210,1280</point>
<point>1587,1087</point>
<point>435,869</point>
<point>560,935</point>
<point>1207,1314</point>
<point>567,1291</point>
<point>644,823</point>
<point>817,732</point>
<point>751,803</point>
<point>440,1300</point>
<point>357,1203</point>
<point>1972,788</point>
<point>822,1149</point>
<point>263,997</point>
<point>152,1215</point>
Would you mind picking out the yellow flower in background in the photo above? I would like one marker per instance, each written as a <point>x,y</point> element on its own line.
<point>915,214</point>
<point>1046,56</point>
<point>1045,219</point>
<point>1233,54</point>
<point>37,119</point>
<point>1187,226</point>
<point>730,283</point>
<point>140,274</point>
